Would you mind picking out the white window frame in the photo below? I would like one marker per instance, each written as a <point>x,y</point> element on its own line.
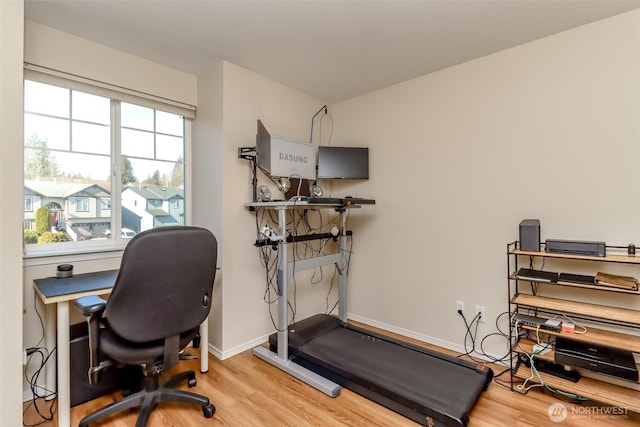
<point>30,199</point>
<point>73,82</point>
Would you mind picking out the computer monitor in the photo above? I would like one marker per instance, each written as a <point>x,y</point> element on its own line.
<point>281,157</point>
<point>343,162</point>
<point>263,148</point>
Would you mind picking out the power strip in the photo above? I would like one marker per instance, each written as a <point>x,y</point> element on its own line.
<point>537,322</point>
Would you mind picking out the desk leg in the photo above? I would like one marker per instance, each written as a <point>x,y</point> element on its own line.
<point>50,339</point>
<point>204,345</point>
<point>281,358</point>
<point>64,381</point>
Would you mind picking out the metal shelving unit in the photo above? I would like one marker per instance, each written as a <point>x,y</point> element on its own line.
<point>521,299</point>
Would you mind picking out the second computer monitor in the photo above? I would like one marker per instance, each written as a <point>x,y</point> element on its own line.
<point>343,162</point>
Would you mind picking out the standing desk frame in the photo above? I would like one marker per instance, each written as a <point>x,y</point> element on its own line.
<point>58,293</point>
<point>286,270</point>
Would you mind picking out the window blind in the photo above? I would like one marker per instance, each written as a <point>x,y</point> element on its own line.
<point>72,81</point>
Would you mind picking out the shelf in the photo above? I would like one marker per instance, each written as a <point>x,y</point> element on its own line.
<point>526,347</point>
<point>599,391</point>
<point>606,313</point>
<point>625,259</point>
<point>579,285</point>
<point>602,337</point>
<point>337,203</point>
<point>593,385</point>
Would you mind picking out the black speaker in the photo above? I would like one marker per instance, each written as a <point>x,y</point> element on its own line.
<point>530,235</point>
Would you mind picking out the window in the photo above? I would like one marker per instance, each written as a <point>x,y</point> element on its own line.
<point>82,205</point>
<point>154,204</point>
<point>81,148</point>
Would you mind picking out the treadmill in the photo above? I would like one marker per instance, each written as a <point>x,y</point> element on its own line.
<point>326,352</point>
<point>428,387</point>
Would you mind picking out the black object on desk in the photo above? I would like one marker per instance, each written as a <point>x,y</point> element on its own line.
<point>64,271</point>
<point>344,201</point>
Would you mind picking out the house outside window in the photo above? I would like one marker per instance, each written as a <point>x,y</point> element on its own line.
<point>81,148</point>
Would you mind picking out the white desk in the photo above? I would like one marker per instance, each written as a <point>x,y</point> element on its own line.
<point>56,294</point>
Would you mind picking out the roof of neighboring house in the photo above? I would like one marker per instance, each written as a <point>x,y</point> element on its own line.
<point>157,212</point>
<point>165,220</point>
<point>157,192</point>
<point>62,189</point>
<point>161,216</point>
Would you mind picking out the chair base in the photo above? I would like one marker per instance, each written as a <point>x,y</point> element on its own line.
<point>152,394</point>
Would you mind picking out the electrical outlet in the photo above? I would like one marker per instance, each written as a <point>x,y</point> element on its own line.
<point>460,307</point>
<point>24,357</point>
<point>480,313</point>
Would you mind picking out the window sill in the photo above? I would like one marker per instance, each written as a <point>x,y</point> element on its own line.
<point>71,255</point>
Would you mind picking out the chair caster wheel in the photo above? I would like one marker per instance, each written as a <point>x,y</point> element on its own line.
<point>192,382</point>
<point>208,410</point>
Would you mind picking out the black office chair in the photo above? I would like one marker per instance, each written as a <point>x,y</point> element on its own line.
<point>161,296</point>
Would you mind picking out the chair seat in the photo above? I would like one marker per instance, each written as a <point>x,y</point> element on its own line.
<point>130,353</point>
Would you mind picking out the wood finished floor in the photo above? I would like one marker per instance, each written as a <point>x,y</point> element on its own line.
<point>250,392</point>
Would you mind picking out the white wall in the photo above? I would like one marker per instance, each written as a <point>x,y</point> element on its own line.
<point>206,183</point>
<point>11,140</point>
<point>546,130</point>
<point>48,47</point>
<point>247,97</point>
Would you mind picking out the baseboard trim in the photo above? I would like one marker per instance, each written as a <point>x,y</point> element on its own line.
<point>27,395</point>
<point>421,337</point>
<point>222,355</point>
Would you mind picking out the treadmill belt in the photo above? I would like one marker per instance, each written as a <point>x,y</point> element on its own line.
<point>404,372</point>
<point>424,385</point>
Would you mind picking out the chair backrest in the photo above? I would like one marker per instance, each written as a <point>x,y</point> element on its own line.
<point>164,286</point>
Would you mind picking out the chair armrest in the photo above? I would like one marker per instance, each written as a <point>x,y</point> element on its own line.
<point>90,305</point>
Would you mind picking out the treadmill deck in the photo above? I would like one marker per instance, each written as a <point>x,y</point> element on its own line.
<point>426,386</point>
